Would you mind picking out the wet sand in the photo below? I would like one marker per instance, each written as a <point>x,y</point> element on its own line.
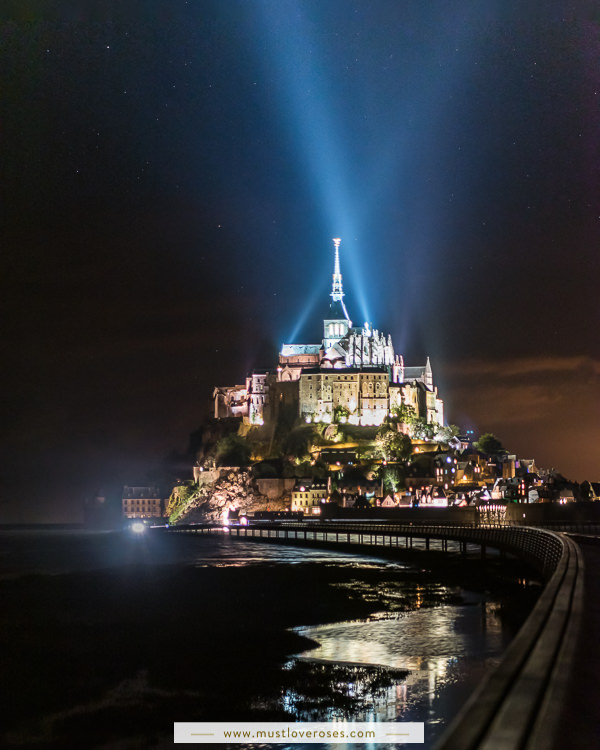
<point>112,658</point>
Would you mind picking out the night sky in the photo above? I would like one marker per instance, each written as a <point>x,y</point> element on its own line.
<point>172,174</point>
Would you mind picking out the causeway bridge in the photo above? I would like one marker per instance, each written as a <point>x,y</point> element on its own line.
<point>544,693</point>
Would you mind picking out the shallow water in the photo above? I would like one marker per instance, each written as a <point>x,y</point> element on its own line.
<point>60,552</point>
<point>447,651</point>
<point>446,637</point>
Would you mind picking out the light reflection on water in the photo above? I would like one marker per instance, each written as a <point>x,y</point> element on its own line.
<point>410,639</point>
<point>447,650</point>
<point>60,552</point>
<point>235,553</point>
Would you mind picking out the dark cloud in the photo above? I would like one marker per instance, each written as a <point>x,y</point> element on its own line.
<point>544,407</point>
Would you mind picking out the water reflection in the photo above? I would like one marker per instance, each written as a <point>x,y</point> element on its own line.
<point>60,552</point>
<point>226,552</point>
<point>445,652</point>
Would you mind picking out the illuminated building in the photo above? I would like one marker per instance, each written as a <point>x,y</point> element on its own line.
<point>352,375</point>
<point>308,497</point>
<point>141,502</point>
<point>247,401</point>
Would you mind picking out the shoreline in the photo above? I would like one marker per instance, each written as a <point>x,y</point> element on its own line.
<point>111,651</point>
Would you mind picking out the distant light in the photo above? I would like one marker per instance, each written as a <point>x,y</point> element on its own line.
<point>138,528</point>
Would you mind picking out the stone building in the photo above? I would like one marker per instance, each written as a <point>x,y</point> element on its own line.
<point>247,401</point>
<point>141,502</point>
<point>360,396</point>
<point>308,496</point>
<point>352,375</point>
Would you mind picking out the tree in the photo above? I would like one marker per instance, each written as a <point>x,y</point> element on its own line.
<point>488,443</point>
<point>233,450</point>
<point>421,429</point>
<point>392,478</point>
<point>391,445</point>
<point>300,440</point>
<point>418,427</point>
<point>340,414</point>
<point>403,413</point>
<point>445,434</point>
<point>180,498</point>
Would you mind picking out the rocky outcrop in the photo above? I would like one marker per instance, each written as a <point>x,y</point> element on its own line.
<point>235,489</point>
<point>276,489</point>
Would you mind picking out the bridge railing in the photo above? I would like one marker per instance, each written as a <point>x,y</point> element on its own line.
<point>518,706</point>
<point>537,546</point>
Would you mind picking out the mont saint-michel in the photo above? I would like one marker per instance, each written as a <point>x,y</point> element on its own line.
<point>316,426</point>
<point>342,424</point>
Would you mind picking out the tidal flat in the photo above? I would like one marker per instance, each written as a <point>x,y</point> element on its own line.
<point>111,658</point>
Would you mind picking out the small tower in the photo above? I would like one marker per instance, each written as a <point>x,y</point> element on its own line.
<point>398,370</point>
<point>337,324</point>
<point>428,375</point>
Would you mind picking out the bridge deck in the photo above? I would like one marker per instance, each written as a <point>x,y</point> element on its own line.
<point>580,715</point>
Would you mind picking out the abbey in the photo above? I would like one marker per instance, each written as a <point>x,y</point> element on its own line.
<point>352,375</point>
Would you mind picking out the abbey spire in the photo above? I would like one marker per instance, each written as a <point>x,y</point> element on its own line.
<point>337,306</point>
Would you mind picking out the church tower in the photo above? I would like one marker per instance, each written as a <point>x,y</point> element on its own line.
<point>428,378</point>
<point>337,324</point>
